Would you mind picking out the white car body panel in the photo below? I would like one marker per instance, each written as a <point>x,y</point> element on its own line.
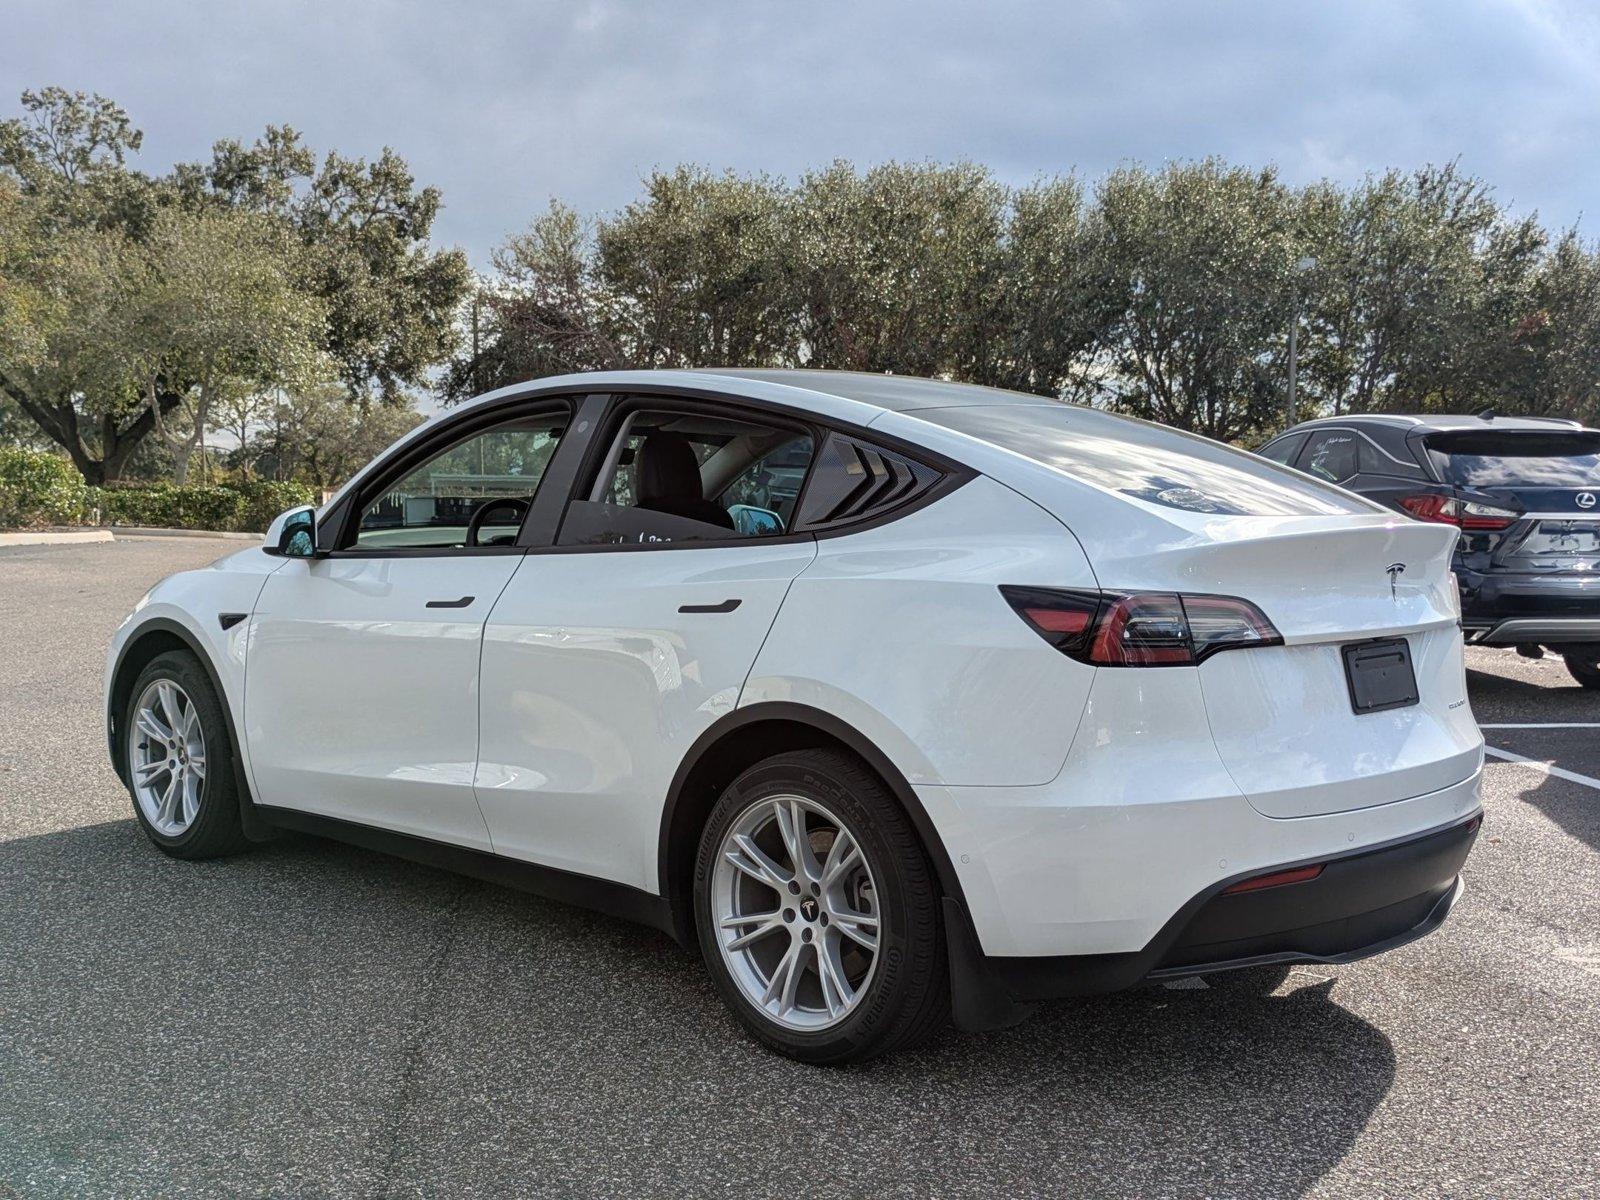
<point>362,702</point>
<point>595,686</point>
<point>194,600</point>
<point>1079,807</point>
<point>951,686</point>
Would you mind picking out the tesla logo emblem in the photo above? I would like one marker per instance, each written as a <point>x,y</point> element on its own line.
<point>1585,499</point>
<point>1394,571</point>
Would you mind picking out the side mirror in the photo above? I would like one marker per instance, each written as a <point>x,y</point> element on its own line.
<point>750,521</point>
<point>292,534</point>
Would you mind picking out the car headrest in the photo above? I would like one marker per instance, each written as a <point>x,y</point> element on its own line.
<point>666,469</point>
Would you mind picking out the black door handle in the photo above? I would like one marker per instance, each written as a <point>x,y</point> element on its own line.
<point>726,606</point>
<point>461,603</point>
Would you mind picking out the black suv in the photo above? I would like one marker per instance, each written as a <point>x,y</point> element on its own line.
<point>1522,490</point>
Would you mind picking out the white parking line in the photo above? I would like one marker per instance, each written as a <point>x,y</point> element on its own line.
<point>1549,725</point>
<point>1546,768</point>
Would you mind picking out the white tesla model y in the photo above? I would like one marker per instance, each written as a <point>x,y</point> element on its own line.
<point>895,698</point>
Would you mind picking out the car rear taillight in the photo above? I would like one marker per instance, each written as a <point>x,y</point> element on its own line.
<point>1464,514</point>
<point>1141,629</point>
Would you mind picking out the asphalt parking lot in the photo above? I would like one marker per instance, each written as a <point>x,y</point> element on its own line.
<point>311,1019</point>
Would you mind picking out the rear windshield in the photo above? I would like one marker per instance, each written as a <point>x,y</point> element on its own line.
<point>1150,462</point>
<point>1487,460</point>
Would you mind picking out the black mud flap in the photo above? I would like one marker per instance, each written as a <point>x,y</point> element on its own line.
<point>979,1002</point>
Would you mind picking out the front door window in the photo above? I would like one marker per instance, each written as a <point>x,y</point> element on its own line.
<point>473,493</point>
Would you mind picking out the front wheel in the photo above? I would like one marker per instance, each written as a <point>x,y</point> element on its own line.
<point>818,911</point>
<point>1585,668</point>
<point>178,757</point>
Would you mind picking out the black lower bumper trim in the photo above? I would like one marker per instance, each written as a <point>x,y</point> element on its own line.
<point>1360,904</point>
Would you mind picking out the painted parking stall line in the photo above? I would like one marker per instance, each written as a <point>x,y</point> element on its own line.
<point>1543,766</point>
<point>1546,725</point>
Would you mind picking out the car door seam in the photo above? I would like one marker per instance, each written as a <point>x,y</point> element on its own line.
<point>773,624</point>
<point>477,688</point>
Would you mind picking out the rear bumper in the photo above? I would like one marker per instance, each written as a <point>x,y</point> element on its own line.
<point>1536,630</point>
<point>1505,608</point>
<point>1362,903</point>
<point>1359,905</point>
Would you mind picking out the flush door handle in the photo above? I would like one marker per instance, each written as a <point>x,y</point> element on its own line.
<point>727,606</point>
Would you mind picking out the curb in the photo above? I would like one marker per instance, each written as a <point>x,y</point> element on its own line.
<point>56,537</point>
<point>156,531</point>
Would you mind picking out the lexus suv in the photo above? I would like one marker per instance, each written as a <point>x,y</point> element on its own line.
<point>894,699</point>
<point>1523,492</point>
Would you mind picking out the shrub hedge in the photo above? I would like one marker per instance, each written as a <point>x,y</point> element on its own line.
<point>37,488</point>
<point>40,488</point>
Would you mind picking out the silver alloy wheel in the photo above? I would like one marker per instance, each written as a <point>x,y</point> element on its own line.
<point>167,757</point>
<point>796,912</point>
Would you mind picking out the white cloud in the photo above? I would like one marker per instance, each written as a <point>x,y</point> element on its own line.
<point>505,104</point>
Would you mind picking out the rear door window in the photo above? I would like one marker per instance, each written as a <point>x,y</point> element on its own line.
<point>671,477</point>
<point>1334,455</point>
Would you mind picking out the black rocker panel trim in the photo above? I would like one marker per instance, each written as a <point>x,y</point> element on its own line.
<point>552,883</point>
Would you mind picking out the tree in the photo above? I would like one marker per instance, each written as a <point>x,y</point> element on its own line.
<point>1554,348</point>
<point>1056,300</point>
<point>545,313</point>
<point>1415,289</point>
<point>317,436</point>
<point>390,298</point>
<point>897,269</point>
<point>354,243</point>
<point>218,307</point>
<point>694,272</point>
<point>1200,254</point>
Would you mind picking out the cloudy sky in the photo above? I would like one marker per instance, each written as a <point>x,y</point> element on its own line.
<point>505,104</point>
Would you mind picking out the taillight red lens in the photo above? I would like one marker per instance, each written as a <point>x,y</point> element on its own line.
<point>1141,629</point>
<point>1463,514</point>
<point>1146,630</point>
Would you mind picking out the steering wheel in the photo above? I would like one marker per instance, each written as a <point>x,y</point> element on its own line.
<point>518,507</point>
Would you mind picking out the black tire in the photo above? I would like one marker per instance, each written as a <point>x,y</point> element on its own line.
<point>1584,668</point>
<point>907,998</point>
<point>215,830</point>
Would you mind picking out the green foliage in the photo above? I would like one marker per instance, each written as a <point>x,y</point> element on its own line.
<point>1200,255</point>
<point>292,299</point>
<point>133,305</point>
<point>1165,293</point>
<point>316,436</point>
<point>39,488</point>
<point>247,507</point>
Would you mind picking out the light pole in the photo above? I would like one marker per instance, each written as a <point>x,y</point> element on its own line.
<point>1300,268</point>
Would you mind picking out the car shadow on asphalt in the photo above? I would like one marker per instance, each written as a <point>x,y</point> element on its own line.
<point>342,1022</point>
<point>1575,807</point>
<point>1498,697</point>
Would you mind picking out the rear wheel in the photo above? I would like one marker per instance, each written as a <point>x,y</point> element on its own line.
<point>818,912</point>
<point>1585,667</point>
<point>178,755</point>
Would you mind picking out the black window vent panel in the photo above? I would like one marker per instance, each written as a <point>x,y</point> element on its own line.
<point>854,481</point>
